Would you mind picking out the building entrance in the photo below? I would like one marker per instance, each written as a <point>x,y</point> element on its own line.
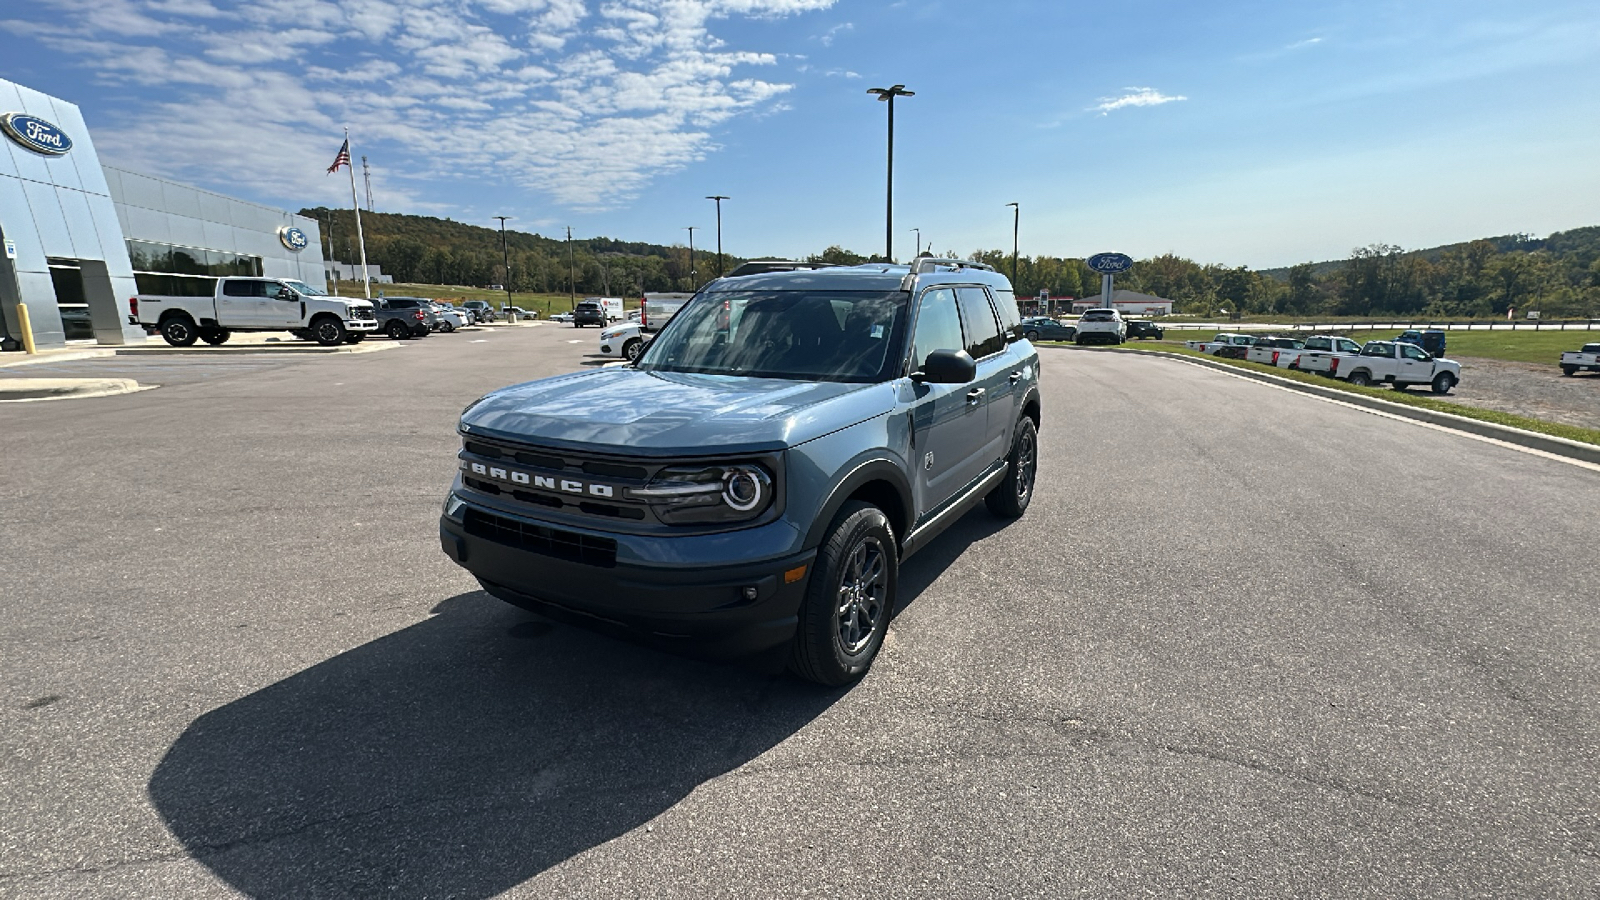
<point>66,275</point>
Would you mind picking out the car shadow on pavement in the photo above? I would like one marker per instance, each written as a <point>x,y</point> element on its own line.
<point>459,757</point>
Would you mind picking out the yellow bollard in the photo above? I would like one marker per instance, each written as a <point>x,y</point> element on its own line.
<point>27,329</point>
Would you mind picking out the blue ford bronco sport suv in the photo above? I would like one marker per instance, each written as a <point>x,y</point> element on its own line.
<point>754,479</point>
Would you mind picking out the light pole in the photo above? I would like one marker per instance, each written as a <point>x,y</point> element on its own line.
<point>1016,219</point>
<point>572,277</point>
<point>692,285</point>
<point>888,94</point>
<point>919,241</point>
<point>505,255</point>
<point>719,198</point>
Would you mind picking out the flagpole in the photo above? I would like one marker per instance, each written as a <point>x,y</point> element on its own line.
<point>366,280</point>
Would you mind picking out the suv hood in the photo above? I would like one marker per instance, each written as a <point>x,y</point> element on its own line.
<point>669,413</point>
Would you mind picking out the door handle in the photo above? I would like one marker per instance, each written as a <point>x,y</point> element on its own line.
<point>1016,377</point>
<point>974,395</point>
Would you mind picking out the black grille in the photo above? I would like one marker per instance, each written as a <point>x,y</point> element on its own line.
<point>568,545</point>
<point>361,312</point>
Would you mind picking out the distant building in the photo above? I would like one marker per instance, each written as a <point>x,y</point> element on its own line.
<point>338,271</point>
<point>1129,303</point>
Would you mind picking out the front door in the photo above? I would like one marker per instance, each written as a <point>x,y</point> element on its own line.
<point>1416,367</point>
<point>948,425</point>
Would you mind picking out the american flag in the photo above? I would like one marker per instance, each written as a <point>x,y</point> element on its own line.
<point>343,159</point>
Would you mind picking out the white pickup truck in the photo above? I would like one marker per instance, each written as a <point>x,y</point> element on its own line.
<point>255,304</point>
<point>1323,352</point>
<point>1275,351</point>
<point>656,310</point>
<point>1401,365</point>
<point>1584,360</point>
<point>1236,345</point>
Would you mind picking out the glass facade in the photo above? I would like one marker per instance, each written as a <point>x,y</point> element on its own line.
<point>175,271</point>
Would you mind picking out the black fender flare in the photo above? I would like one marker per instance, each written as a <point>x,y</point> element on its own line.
<point>861,472</point>
<point>1032,398</point>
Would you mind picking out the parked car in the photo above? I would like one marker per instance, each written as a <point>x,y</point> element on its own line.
<point>1100,326</point>
<point>1144,328</point>
<point>622,340</point>
<point>481,310</point>
<point>1401,365</point>
<point>1282,352</point>
<point>1585,360</point>
<point>1432,340</point>
<point>753,482</point>
<point>562,317</point>
<point>447,318</point>
<point>1044,328</point>
<point>589,312</point>
<point>403,318</point>
<point>1322,353</point>
<point>255,304</point>
<point>1225,344</point>
<point>518,311</point>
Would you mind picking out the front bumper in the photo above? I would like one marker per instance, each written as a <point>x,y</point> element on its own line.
<point>704,609</point>
<point>361,325</point>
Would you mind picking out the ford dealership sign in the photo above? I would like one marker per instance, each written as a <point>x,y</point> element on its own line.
<point>36,134</point>
<point>293,238</point>
<point>1110,263</point>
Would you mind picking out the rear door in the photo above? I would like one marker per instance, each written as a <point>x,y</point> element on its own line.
<point>242,303</point>
<point>992,390</point>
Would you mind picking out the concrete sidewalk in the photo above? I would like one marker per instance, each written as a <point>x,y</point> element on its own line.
<point>21,389</point>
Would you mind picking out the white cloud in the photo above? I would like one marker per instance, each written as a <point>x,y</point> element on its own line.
<point>1135,96</point>
<point>828,36</point>
<point>584,102</point>
<point>1308,42</point>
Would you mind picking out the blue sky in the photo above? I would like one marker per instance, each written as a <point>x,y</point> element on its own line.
<point>1245,133</point>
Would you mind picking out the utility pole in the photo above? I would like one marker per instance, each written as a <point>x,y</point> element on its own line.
<point>572,273</point>
<point>366,176</point>
<point>719,198</point>
<point>888,94</point>
<point>692,285</point>
<point>1016,218</point>
<point>505,256</point>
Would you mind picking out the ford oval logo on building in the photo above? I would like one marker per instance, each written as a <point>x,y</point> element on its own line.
<point>36,134</point>
<point>293,238</point>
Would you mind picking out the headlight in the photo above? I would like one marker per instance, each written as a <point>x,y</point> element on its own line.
<point>685,495</point>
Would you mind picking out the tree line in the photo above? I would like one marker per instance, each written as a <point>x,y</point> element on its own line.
<point>1558,275</point>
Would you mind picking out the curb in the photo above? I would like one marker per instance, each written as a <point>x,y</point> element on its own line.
<point>1533,440</point>
<point>243,349</point>
<point>19,390</point>
<point>52,356</point>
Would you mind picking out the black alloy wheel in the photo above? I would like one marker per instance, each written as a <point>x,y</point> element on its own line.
<point>1010,498</point>
<point>849,598</point>
<point>397,329</point>
<point>179,331</point>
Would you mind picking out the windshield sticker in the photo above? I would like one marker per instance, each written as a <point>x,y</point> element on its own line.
<point>877,331</point>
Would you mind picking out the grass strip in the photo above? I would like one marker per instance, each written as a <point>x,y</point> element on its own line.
<point>1511,420</point>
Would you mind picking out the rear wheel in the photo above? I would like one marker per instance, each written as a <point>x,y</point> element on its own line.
<point>1010,498</point>
<point>328,331</point>
<point>1033,335</point>
<point>397,330</point>
<point>1360,379</point>
<point>1400,385</point>
<point>354,337</point>
<point>180,331</point>
<point>1569,370</point>
<point>216,337</point>
<point>849,599</point>
<point>1443,382</point>
<point>447,326</point>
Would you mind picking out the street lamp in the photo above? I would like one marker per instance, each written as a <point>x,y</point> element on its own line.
<point>1016,218</point>
<point>888,94</point>
<point>719,198</point>
<point>919,240</point>
<point>572,273</point>
<point>692,285</point>
<point>505,256</point>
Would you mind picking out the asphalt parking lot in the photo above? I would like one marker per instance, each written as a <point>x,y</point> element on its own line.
<point>1246,643</point>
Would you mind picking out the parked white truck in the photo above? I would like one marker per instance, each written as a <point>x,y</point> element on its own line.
<point>254,304</point>
<point>1323,352</point>
<point>1224,344</point>
<point>1276,351</point>
<point>1584,360</point>
<point>655,310</point>
<point>1401,365</point>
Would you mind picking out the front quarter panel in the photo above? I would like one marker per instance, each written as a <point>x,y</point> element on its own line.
<point>822,473</point>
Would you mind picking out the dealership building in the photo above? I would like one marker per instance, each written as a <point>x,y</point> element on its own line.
<point>81,238</point>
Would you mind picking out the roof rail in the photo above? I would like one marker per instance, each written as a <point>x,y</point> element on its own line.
<point>925,264</point>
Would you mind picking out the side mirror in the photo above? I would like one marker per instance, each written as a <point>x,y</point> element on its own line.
<point>285,294</point>
<point>947,367</point>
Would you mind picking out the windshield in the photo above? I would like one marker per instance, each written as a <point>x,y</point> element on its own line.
<point>302,288</point>
<point>849,336</point>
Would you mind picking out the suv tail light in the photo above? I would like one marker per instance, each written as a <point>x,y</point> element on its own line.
<point>421,315</point>
<point>133,307</point>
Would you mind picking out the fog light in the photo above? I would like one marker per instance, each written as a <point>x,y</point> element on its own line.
<point>750,592</point>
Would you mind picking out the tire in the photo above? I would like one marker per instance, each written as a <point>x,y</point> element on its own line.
<point>1078,341</point>
<point>397,330</point>
<point>447,327</point>
<point>355,337</point>
<point>630,350</point>
<point>841,625</point>
<point>1569,370</point>
<point>1400,385</point>
<point>1010,498</point>
<point>216,337</point>
<point>328,331</point>
<point>1360,379</point>
<point>179,331</point>
<point>1443,382</point>
<point>1032,335</point>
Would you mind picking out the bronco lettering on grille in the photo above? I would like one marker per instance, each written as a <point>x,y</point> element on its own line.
<point>544,482</point>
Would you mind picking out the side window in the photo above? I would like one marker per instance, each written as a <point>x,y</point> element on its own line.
<point>938,326</point>
<point>1005,303</point>
<point>270,289</point>
<point>983,332</point>
<point>1413,352</point>
<point>1350,346</point>
<point>240,289</point>
<point>1318,344</point>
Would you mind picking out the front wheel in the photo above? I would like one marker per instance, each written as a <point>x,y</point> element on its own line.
<point>1033,335</point>
<point>328,332</point>
<point>630,350</point>
<point>1010,498</point>
<point>179,331</point>
<point>849,600</point>
<point>216,337</point>
<point>1443,382</point>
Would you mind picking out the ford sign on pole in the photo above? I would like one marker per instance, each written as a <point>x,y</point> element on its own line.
<point>1109,265</point>
<point>36,134</point>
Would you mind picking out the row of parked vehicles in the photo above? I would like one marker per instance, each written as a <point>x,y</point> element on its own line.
<point>1403,362</point>
<point>1095,326</point>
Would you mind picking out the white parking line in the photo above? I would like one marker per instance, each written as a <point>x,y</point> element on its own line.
<point>578,341</point>
<point>479,341</point>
